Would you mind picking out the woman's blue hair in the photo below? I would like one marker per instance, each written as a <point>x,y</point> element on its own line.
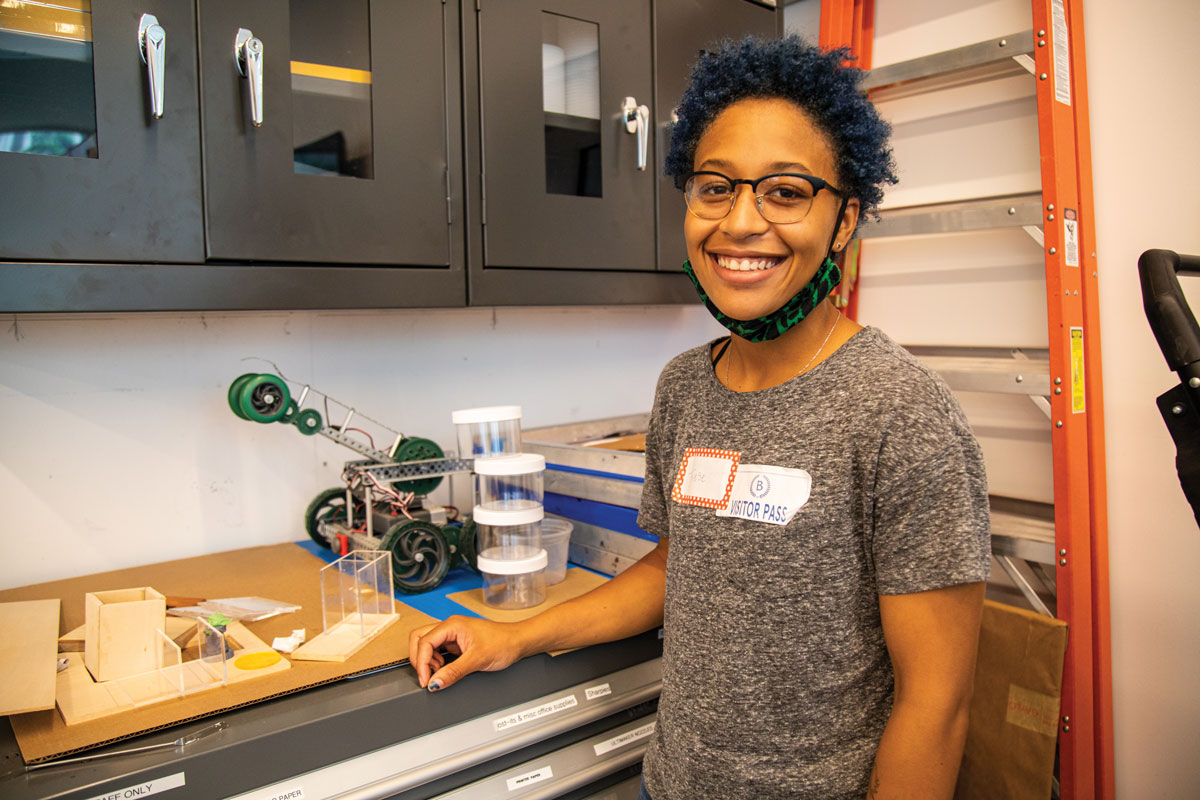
<point>813,79</point>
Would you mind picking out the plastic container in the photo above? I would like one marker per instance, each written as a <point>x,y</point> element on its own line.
<point>508,533</point>
<point>510,483</point>
<point>513,582</point>
<point>556,539</point>
<point>488,432</point>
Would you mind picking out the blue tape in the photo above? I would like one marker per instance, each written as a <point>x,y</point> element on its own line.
<point>602,515</point>
<point>596,472</point>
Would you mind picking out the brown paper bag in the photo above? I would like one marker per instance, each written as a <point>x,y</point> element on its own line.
<point>1015,711</point>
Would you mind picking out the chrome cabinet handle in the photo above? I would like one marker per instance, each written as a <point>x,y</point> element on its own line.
<point>248,52</point>
<point>637,120</point>
<point>152,43</point>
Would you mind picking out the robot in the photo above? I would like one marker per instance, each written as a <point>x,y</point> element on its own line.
<point>379,506</point>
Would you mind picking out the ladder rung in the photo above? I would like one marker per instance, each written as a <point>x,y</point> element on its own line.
<point>1005,375</point>
<point>1023,537</point>
<point>1012,211</point>
<point>950,61</point>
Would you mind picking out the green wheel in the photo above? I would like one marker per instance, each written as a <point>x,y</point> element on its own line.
<point>235,390</point>
<point>264,398</point>
<point>308,421</point>
<point>418,449</point>
<point>329,506</point>
<point>452,532</point>
<point>468,544</point>
<point>420,555</point>
<point>290,414</point>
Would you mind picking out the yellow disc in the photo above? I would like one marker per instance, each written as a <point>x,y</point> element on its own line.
<point>267,658</point>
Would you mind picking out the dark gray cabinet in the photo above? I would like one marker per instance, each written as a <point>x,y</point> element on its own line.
<point>346,193</point>
<point>86,172</point>
<point>351,161</point>
<point>570,206</point>
<point>409,152</point>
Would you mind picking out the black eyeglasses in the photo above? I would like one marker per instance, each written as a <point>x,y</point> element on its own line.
<point>785,196</point>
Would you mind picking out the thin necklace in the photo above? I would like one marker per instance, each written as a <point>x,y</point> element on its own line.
<point>836,319</point>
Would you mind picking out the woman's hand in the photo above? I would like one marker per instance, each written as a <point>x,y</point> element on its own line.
<point>478,643</point>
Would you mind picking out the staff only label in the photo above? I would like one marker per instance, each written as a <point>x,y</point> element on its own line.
<point>763,493</point>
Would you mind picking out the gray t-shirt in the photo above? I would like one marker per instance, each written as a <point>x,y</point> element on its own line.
<point>776,677</point>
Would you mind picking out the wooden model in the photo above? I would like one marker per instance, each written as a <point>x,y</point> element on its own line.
<point>121,632</point>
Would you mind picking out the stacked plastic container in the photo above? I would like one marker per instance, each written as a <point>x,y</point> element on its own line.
<point>508,517</point>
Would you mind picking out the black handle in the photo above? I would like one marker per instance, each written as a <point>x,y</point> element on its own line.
<point>1167,309</point>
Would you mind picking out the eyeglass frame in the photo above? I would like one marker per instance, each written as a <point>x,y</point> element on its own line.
<point>817,183</point>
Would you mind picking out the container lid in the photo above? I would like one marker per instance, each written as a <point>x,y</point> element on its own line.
<point>520,566</point>
<point>514,464</point>
<point>467,416</point>
<point>507,516</point>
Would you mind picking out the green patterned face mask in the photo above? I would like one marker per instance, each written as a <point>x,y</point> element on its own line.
<point>782,319</point>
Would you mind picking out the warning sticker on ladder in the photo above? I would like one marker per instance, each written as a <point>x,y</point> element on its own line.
<point>1070,237</point>
<point>1078,405</point>
<point>1062,53</point>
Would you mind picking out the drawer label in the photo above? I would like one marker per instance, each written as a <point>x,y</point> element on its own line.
<point>145,789</point>
<point>537,712</point>
<point>530,778</point>
<point>592,692</point>
<point>628,737</point>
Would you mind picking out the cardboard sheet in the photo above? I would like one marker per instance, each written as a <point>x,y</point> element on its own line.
<point>578,582</point>
<point>284,572</point>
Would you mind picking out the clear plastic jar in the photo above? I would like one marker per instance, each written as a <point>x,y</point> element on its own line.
<point>556,540</point>
<point>488,432</point>
<point>509,483</point>
<point>508,533</point>
<point>513,582</point>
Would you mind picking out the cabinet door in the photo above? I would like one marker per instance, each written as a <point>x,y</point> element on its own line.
<point>88,173</point>
<point>562,186</point>
<point>682,30</point>
<point>349,163</point>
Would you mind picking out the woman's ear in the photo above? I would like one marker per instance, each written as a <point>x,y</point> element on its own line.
<point>846,227</point>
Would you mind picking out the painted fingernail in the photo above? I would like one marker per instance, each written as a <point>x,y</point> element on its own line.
<point>434,686</point>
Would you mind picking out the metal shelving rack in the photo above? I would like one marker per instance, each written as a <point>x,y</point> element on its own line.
<point>1065,380</point>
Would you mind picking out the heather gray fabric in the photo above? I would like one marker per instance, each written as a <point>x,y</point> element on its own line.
<point>776,679</point>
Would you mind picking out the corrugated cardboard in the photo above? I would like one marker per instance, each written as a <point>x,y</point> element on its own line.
<point>281,572</point>
<point>1015,711</point>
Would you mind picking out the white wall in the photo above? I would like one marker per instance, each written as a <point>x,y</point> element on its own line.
<point>1144,121</point>
<point>117,446</point>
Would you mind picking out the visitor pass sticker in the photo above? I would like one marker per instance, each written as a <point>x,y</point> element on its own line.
<point>767,494</point>
<point>705,477</point>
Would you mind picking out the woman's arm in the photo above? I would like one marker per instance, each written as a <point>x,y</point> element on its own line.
<point>932,638</point>
<point>630,603</point>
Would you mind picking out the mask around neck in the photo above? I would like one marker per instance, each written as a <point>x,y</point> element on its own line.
<point>781,319</point>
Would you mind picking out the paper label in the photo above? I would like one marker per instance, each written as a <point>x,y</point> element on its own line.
<point>767,494</point>
<point>705,477</point>
<point>145,789</point>
<point>1078,387</point>
<point>1032,710</point>
<point>592,692</point>
<point>537,712</point>
<point>628,737</point>
<point>530,778</point>
<point>1070,237</point>
<point>1062,53</point>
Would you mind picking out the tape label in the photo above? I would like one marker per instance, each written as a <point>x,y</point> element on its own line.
<point>530,778</point>
<point>537,712</point>
<point>592,692</point>
<point>145,789</point>
<point>626,738</point>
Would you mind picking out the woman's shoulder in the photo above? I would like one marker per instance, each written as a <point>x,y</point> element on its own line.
<point>691,363</point>
<point>883,368</point>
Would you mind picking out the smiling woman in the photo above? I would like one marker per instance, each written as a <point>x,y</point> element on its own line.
<point>842,666</point>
